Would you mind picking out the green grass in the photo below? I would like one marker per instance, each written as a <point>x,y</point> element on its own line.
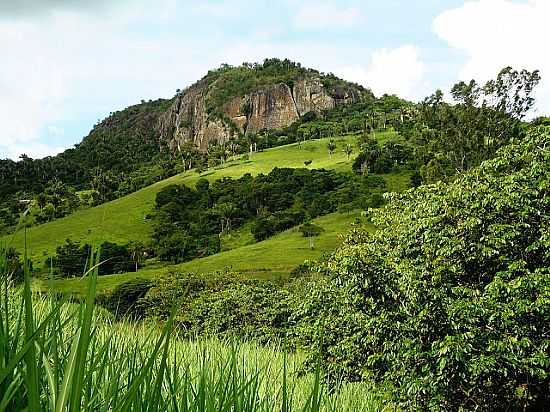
<point>271,258</point>
<point>124,219</point>
<point>56,356</point>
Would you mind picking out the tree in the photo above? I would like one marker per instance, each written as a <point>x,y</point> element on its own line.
<point>483,119</point>
<point>41,200</point>
<point>310,230</point>
<point>71,258</point>
<point>348,150</point>
<point>105,185</point>
<point>331,146</point>
<point>226,210</point>
<point>10,264</point>
<point>137,252</point>
<point>252,140</point>
<point>188,152</point>
<point>369,155</point>
<point>114,259</point>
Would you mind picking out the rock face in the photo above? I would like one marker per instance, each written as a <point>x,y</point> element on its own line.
<point>187,120</point>
<point>272,107</point>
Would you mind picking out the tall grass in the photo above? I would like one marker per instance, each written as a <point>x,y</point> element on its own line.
<point>60,356</point>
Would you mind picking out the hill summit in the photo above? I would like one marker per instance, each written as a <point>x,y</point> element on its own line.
<point>244,100</point>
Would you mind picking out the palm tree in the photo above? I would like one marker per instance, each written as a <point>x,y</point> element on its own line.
<point>234,148</point>
<point>252,140</point>
<point>348,150</point>
<point>331,146</point>
<point>226,210</point>
<point>137,252</point>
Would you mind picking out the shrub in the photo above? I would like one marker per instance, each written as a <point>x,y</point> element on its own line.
<point>71,258</point>
<point>226,305</point>
<point>122,301</point>
<point>448,302</point>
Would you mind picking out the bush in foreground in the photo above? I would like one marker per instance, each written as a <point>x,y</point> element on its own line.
<point>449,301</point>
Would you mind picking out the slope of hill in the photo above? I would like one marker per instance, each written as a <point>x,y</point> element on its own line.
<point>125,219</point>
<point>134,147</point>
<point>275,257</point>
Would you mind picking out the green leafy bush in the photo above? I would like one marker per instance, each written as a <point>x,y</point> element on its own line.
<point>225,305</point>
<point>449,301</point>
<point>122,301</point>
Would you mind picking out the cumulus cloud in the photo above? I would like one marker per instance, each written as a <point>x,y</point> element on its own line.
<point>313,16</point>
<point>397,71</point>
<point>499,33</point>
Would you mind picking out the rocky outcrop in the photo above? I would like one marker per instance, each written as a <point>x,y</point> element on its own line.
<point>187,120</point>
<point>310,96</point>
<point>272,107</point>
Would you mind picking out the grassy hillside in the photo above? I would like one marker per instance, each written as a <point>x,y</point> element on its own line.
<point>125,219</point>
<point>274,257</point>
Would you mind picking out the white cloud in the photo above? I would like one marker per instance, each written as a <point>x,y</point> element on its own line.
<point>55,131</point>
<point>56,67</point>
<point>33,149</point>
<point>499,33</point>
<point>397,71</point>
<point>312,16</point>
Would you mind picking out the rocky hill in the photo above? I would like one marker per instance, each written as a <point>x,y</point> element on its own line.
<point>228,103</point>
<point>244,100</point>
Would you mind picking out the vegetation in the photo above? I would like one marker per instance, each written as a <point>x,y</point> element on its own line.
<point>437,298</point>
<point>120,155</point>
<point>189,223</point>
<point>458,137</point>
<point>126,219</point>
<point>230,81</point>
<point>447,302</point>
<point>58,356</point>
<point>275,258</point>
<point>458,320</point>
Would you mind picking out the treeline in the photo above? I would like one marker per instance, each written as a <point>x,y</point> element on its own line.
<point>188,222</point>
<point>72,258</point>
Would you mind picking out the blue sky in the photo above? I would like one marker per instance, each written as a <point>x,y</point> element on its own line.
<point>67,63</point>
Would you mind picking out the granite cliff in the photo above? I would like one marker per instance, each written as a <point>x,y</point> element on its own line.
<point>200,115</point>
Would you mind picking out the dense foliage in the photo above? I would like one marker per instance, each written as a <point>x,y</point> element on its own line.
<point>449,301</point>
<point>457,137</point>
<point>73,259</point>
<point>59,356</point>
<point>188,223</point>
